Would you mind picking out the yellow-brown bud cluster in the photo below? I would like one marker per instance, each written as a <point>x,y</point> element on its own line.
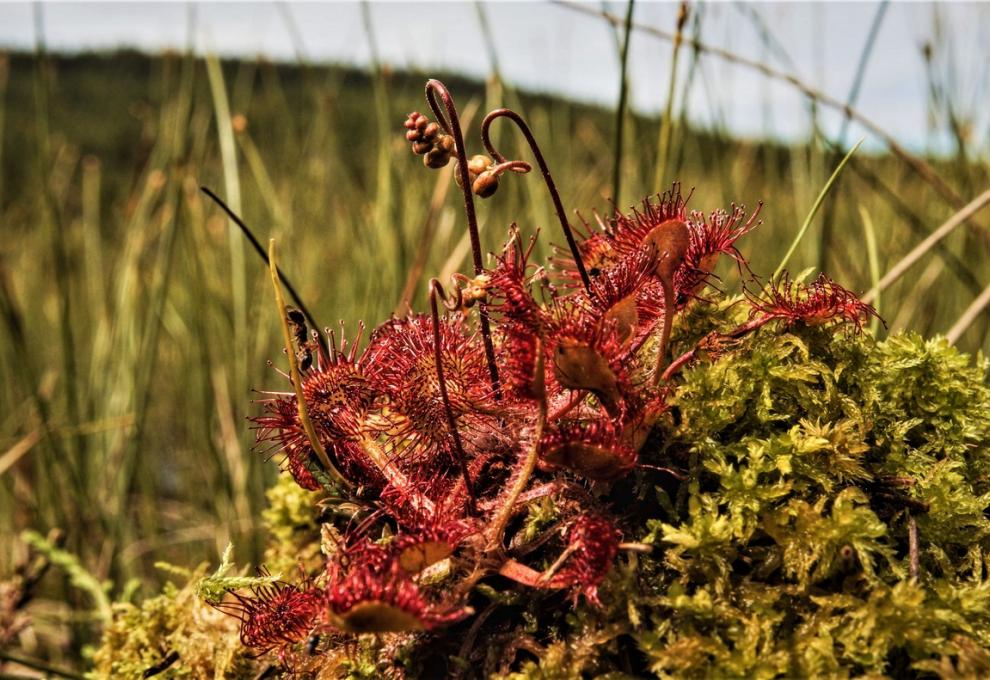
<point>428,140</point>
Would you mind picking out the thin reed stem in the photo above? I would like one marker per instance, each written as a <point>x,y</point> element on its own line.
<point>919,166</point>
<point>909,260</point>
<point>60,257</point>
<point>814,210</point>
<point>232,184</point>
<point>37,665</point>
<point>666,125</point>
<point>872,255</point>
<point>953,263</point>
<point>972,312</point>
<point>825,237</point>
<point>307,424</point>
<point>253,240</point>
<point>620,112</point>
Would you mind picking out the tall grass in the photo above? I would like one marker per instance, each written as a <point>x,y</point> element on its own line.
<point>135,320</point>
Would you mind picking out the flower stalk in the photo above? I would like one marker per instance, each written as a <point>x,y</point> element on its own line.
<point>558,205</point>
<point>452,126</point>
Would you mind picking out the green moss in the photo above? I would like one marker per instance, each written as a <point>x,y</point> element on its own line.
<point>806,454</point>
<point>176,621</point>
<point>788,554</point>
<point>292,520</point>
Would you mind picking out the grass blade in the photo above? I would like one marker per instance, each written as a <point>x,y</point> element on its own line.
<point>919,251</point>
<point>814,210</point>
<point>620,114</point>
<point>871,253</point>
<point>666,125</point>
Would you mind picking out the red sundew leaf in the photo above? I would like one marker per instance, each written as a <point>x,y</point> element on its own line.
<point>711,238</point>
<point>429,544</point>
<point>280,424</point>
<point>628,294</point>
<point>626,233</point>
<point>593,543</point>
<point>401,362</point>
<point>519,354</point>
<point>510,292</point>
<point>819,303</point>
<point>586,352</point>
<point>275,615</point>
<point>373,599</point>
<point>593,449</point>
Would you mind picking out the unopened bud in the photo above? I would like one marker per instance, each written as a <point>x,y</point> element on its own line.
<point>475,289</point>
<point>413,135</point>
<point>446,142</point>
<point>431,131</point>
<point>436,158</point>
<point>420,148</point>
<point>410,122</point>
<point>478,164</point>
<point>486,184</point>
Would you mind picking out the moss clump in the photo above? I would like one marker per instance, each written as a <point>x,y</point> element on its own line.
<point>293,522</point>
<point>175,631</point>
<point>786,551</point>
<point>806,460</point>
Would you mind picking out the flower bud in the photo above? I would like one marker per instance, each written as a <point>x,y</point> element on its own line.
<point>412,135</point>
<point>410,122</point>
<point>486,184</point>
<point>430,132</point>
<point>446,142</point>
<point>420,148</point>
<point>436,158</point>
<point>478,164</point>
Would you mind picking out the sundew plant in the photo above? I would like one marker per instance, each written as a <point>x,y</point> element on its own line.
<point>605,465</point>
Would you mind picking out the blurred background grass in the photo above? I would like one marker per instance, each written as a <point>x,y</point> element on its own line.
<point>136,320</point>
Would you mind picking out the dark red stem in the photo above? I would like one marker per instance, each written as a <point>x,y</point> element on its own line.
<point>736,332</point>
<point>452,126</point>
<point>547,178</point>
<point>678,363</point>
<point>451,421</point>
<point>668,319</point>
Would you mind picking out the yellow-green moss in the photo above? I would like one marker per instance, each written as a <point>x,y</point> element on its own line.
<point>139,637</point>
<point>292,520</point>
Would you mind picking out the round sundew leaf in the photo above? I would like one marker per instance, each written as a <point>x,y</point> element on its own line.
<point>578,366</point>
<point>625,316</point>
<point>378,617</point>
<point>594,461</point>
<point>671,240</point>
<point>415,558</point>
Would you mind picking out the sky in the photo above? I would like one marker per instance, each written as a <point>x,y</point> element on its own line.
<point>551,47</point>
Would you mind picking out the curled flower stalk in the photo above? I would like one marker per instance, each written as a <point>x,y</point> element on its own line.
<point>447,117</point>
<point>558,205</point>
